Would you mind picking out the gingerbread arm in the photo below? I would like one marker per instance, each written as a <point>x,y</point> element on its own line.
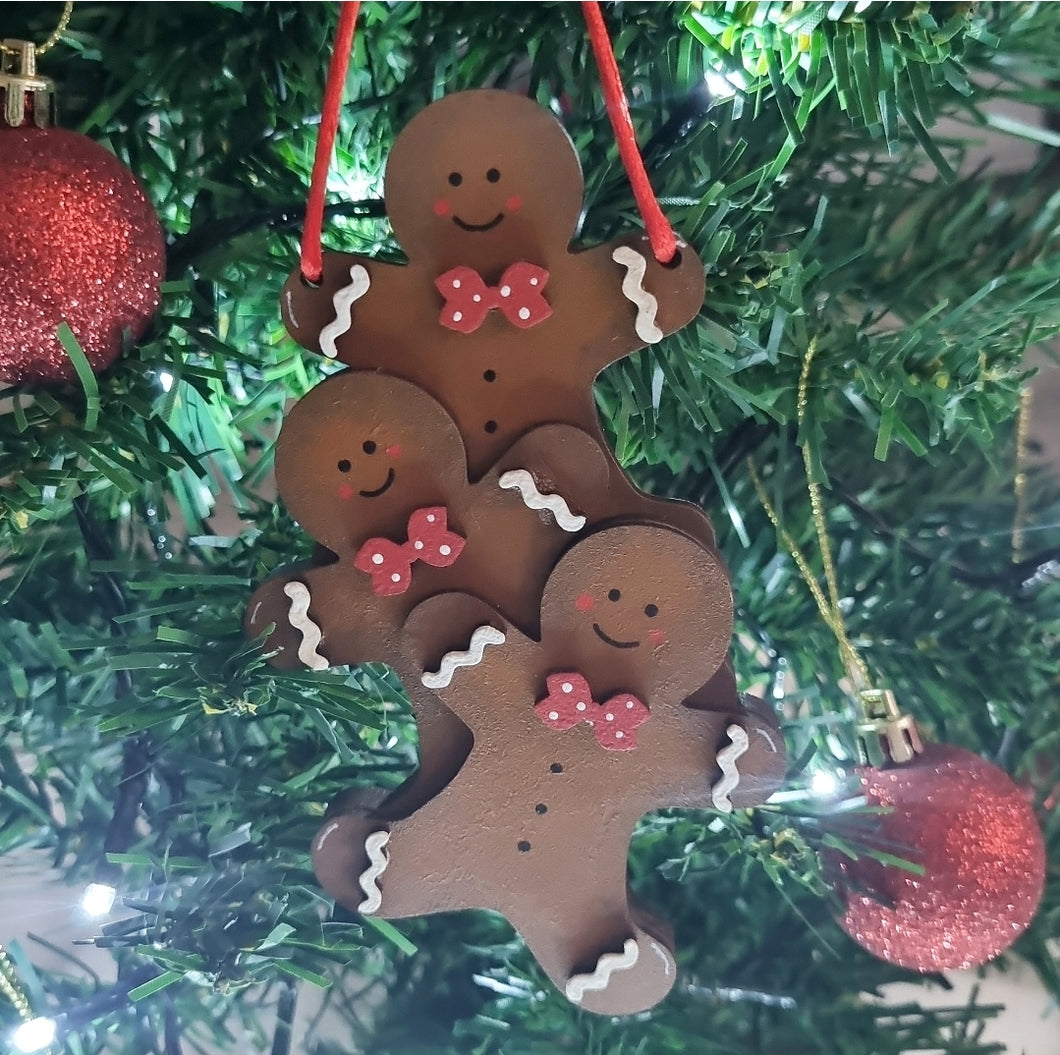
<point>464,650</point>
<point>320,317</point>
<point>323,617</point>
<point>717,759</point>
<point>652,300</point>
<point>563,470</point>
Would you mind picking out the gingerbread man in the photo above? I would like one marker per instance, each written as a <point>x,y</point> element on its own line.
<point>494,314</point>
<point>577,734</point>
<point>374,469</point>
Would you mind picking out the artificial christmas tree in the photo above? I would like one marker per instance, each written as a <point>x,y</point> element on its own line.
<point>799,149</point>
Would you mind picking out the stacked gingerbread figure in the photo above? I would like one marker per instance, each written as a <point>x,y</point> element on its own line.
<point>561,635</point>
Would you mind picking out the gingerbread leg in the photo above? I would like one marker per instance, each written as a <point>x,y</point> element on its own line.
<point>611,959</point>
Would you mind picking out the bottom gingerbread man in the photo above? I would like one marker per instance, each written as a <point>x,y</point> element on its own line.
<point>576,736</point>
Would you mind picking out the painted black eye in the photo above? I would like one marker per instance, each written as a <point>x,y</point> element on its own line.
<point>455,179</point>
<point>651,610</point>
<point>493,175</point>
<point>344,465</point>
<point>368,446</point>
<point>613,595</point>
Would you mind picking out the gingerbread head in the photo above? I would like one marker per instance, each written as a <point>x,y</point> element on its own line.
<point>483,179</point>
<point>639,607</point>
<point>359,452</point>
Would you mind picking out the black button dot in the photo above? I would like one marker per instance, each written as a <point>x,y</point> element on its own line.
<point>344,465</point>
<point>556,767</point>
<point>493,175</point>
<point>490,426</point>
<point>368,446</point>
<point>614,595</point>
<point>490,375</point>
<point>651,610</point>
<point>524,846</point>
<point>540,808</point>
<point>455,179</point>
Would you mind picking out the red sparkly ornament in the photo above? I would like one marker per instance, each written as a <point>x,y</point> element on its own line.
<point>79,241</point>
<point>975,834</point>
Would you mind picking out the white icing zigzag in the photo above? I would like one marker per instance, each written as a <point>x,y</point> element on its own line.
<point>633,290</point>
<point>523,482</point>
<point>606,966</point>
<point>727,758</point>
<point>343,301</point>
<point>375,845</point>
<point>298,617</point>
<point>471,657</point>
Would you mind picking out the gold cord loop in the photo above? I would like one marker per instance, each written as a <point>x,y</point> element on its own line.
<point>884,733</point>
<point>1019,484</point>
<point>54,36</point>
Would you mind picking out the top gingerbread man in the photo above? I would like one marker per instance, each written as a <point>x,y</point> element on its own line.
<point>494,314</point>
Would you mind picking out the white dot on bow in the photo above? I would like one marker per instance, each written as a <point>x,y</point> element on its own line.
<point>629,705</point>
<point>524,313</point>
<point>417,544</point>
<point>377,558</point>
<point>610,717</point>
<point>580,706</point>
<point>430,518</point>
<point>456,283</point>
<point>445,550</point>
<point>506,291</point>
<point>397,578</point>
<point>533,282</point>
<point>457,316</point>
<point>477,297</point>
<point>619,734</point>
<point>553,715</point>
<point>567,687</point>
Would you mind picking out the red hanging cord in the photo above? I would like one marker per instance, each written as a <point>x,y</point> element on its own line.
<point>660,233</point>
<point>312,255</point>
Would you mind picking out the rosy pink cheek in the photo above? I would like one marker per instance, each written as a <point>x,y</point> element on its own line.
<point>584,603</point>
<point>394,450</point>
<point>657,637</point>
<point>442,207</point>
<point>514,203</point>
<point>345,492</point>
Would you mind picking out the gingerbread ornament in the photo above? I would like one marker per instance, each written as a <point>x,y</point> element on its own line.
<point>495,315</point>
<point>578,732</point>
<point>374,469</point>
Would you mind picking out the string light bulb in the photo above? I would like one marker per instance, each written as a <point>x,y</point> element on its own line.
<point>38,1034</point>
<point>97,900</point>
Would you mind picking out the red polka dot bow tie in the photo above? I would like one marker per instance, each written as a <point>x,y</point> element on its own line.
<point>518,296</point>
<point>390,563</point>
<point>570,702</point>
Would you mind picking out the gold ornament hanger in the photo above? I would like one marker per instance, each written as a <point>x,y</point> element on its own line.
<point>885,734</point>
<point>21,88</point>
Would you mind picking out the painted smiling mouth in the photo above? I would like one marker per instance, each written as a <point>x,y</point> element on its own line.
<point>478,226</point>
<point>379,490</point>
<point>608,640</point>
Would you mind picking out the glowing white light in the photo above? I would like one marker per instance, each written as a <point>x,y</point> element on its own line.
<point>824,783</point>
<point>724,85</point>
<point>97,900</point>
<point>165,379</point>
<point>37,1034</point>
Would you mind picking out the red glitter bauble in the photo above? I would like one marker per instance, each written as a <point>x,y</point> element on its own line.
<point>79,243</point>
<point>975,834</point>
